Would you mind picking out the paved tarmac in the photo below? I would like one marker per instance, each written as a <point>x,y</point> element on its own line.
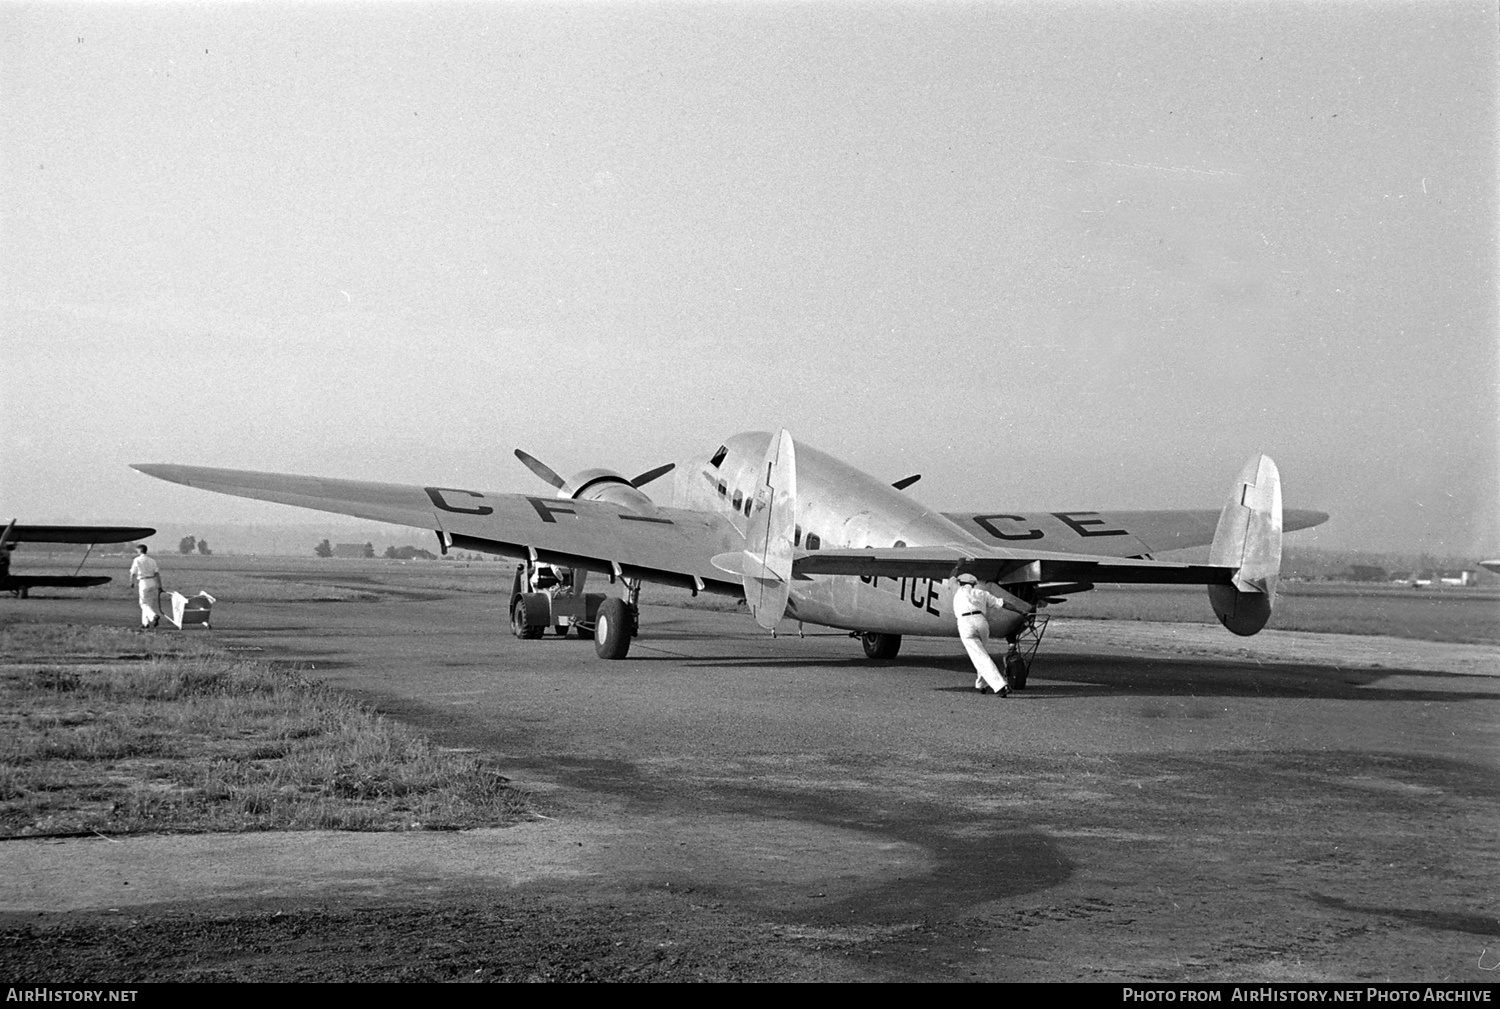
<point>1164,802</point>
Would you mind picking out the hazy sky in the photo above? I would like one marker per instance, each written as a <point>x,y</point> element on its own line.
<point>1051,255</point>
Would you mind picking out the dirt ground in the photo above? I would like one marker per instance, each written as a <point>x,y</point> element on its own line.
<point>1164,803</point>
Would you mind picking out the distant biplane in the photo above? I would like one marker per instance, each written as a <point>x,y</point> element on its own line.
<point>21,585</point>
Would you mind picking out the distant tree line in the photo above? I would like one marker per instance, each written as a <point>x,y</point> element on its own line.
<point>409,553</point>
<point>188,544</point>
<point>394,553</point>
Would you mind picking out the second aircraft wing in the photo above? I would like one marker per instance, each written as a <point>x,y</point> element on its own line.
<point>1109,533</point>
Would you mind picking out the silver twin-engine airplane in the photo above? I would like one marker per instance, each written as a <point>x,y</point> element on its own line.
<point>800,534</point>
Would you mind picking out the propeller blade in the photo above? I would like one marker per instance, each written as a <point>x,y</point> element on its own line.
<point>541,469</point>
<point>906,481</point>
<point>652,474</point>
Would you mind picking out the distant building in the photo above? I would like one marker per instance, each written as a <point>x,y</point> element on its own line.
<point>1456,577</point>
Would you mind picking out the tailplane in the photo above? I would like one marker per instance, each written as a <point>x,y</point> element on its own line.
<point>1249,539</point>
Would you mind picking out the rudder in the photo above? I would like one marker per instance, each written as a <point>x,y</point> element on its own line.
<point>767,564</point>
<point>1248,538</point>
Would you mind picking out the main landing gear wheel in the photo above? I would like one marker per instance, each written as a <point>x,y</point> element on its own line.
<point>518,624</point>
<point>881,646</point>
<point>612,629</point>
<point>1016,671</point>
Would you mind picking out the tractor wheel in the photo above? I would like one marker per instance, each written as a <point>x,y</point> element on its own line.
<point>518,623</point>
<point>881,646</point>
<point>612,629</point>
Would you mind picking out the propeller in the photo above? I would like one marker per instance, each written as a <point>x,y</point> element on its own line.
<point>652,474</point>
<point>549,474</point>
<point>541,469</point>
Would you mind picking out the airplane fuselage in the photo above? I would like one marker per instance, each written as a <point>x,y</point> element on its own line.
<point>839,506</point>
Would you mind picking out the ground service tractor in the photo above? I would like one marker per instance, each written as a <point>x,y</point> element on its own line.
<point>544,595</point>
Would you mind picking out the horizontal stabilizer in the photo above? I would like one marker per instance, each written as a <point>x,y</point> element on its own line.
<point>1004,565</point>
<point>744,564</point>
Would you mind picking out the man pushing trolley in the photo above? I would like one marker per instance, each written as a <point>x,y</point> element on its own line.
<point>145,575</point>
<point>972,606</point>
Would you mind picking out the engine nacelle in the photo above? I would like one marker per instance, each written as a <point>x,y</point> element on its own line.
<point>607,485</point>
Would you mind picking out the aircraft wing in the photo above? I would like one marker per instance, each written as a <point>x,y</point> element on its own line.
<point>672,545</point>
<point>12,583</point>
<point>1007,565</point>
<point>15,533</point>
<point>1111,533</point>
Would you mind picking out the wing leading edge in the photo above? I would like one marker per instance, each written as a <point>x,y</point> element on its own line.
<point>671,545</point>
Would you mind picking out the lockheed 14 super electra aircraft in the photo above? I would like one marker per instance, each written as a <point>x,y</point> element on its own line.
<point>800,534</point>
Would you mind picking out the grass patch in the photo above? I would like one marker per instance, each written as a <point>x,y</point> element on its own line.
<point>105,730</point>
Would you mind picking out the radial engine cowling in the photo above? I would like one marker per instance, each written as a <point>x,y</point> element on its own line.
<point>607,485</point>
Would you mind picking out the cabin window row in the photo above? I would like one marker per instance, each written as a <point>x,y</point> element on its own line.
<point>740,502</point>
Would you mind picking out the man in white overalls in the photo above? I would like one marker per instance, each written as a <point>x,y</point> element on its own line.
<point>972,606</point>
<point>146,576</point>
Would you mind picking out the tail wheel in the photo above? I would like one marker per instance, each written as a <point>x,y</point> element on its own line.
<point>881,646</point>
<point>518,624</point>
<point>1016,671</point>
<point>612,628</point>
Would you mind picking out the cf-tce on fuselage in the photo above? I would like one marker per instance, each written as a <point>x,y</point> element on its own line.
<point>802,535</point>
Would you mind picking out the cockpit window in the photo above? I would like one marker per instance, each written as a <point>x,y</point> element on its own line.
<point>718,456</point>
<point>813,542</point>
<point>738,498</point>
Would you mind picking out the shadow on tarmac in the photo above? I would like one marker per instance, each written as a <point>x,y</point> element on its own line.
<point>1067,676</point>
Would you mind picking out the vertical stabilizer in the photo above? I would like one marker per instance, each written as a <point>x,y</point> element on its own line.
<point>768,537</point>
<point>1249,539</point>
